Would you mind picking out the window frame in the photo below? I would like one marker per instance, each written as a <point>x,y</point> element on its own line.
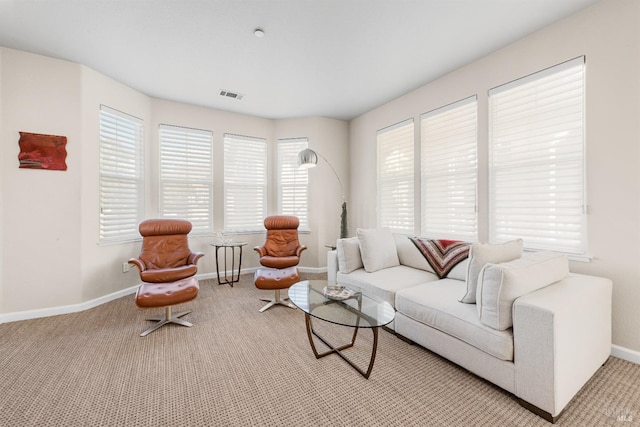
<point>449,161</point>
<point>186,166</point>
<point>121,185</point>
<point>395,198</point>
<point>293,179</point>
<point>565,229</point>
<point>243,167</point>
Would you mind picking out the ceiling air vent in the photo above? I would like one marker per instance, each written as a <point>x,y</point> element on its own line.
<point>230,94</point>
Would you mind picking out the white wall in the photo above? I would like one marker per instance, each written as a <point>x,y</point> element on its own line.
<point>101,265</point>
<point>50,258</point>
<point>41,237</point>
<point>608,33</point>
<point>1,192</point>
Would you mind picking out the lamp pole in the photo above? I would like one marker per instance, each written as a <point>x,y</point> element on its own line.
<point>309,158</point>
<point>343,215</point>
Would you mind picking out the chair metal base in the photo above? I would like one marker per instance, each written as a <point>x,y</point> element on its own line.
<point>276,301</point>
<point>168,317</point>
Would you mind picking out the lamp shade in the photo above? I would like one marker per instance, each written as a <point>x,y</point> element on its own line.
<point>307,158</point>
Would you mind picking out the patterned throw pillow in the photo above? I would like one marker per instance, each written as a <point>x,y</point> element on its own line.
<point>442,255</point>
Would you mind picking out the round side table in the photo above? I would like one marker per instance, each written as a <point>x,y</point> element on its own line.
<point>232,247</point>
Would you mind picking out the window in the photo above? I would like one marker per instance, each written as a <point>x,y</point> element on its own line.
<point>245,183</point>
<point>449,170</point>
<point>186,176</point>
<point>395,177</point>
<point>293,182</point>
<point>536,169</point>
<point>121,176</point>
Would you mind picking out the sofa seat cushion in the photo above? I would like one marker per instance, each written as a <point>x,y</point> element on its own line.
<point>383,284</point>
<point>436,304</point>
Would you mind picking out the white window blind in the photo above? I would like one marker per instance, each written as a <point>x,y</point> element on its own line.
<point>121,176</point>
<point>293,181</point>
<point>537,165</point>
<point>449,171</point>
<point>186,176</point>
<point>245,183</point>
<point>395,177</point>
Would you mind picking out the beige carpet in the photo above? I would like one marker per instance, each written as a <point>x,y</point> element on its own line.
<point>237,366</point>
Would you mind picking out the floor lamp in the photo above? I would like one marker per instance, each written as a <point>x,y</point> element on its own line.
<point>308,158</point>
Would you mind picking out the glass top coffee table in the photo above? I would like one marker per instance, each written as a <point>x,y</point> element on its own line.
<point>349,308</point>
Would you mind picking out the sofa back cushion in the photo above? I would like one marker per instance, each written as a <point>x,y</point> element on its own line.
<point>459,272</point>
<point>481,254</point>
<point>349,258</point>
<point>409,255</point>
<point>378,249</point>
<point>499,285</point>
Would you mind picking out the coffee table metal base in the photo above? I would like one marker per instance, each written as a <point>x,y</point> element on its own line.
<point>338,350</point>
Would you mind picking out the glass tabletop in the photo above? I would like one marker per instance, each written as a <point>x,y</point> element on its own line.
<point>357,310</point>
<point>228,244</point>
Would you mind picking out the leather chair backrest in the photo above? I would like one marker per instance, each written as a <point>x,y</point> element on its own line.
<point>164,243</point>
<point>282,235</point>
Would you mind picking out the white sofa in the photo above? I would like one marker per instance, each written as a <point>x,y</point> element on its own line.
<point>540,341</point>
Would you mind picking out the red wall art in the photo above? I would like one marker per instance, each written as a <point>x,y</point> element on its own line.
<point>39,151</point>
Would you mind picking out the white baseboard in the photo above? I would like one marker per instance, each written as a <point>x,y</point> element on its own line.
<point>207,276</point>
<point>625,353</point>
<point>73,308</point>
<point>314,270</point>
<point>65,309</point>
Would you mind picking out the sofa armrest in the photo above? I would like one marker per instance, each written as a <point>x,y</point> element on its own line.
<point>562,335</point>
<point>332,266</point>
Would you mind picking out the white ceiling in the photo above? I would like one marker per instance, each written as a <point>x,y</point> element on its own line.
<point>331,58</point>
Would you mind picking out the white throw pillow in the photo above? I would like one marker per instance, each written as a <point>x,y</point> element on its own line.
<point>499,285</point>
<point>481,254</point>
<point>377,248</point>
<point>348,251</point>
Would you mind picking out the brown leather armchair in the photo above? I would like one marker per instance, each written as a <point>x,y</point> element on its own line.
<point>167,267</point>
<point>165,255</point>
<point>281,248</point>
